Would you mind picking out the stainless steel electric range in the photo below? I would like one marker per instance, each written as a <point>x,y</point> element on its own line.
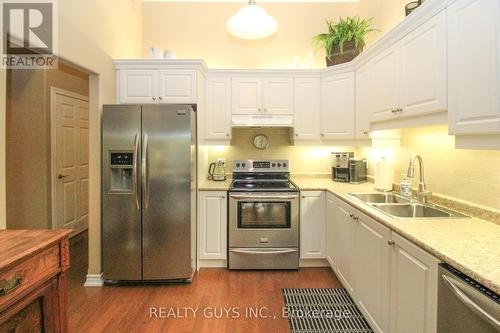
<point>263,216</point>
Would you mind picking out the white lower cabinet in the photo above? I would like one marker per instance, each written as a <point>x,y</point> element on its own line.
<point>372,268</point>
<point>331,231</point>
<point>312,225</point>
<point>414,279</point>
<point>392,281</point>
<point>345,234</point>
<point>212,221</point>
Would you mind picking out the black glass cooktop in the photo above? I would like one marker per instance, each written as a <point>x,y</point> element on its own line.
<point>263,183</point>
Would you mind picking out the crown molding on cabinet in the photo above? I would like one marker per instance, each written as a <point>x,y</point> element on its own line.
<point>161,63</point>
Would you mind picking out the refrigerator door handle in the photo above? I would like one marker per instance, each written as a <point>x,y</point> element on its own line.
<point>144,170</point>
<point>134,172</point>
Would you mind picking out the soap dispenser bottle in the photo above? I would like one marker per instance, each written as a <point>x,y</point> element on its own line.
<point>405,187</point>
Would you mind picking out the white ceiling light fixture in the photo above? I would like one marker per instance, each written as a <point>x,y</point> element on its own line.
<point>251,22</point>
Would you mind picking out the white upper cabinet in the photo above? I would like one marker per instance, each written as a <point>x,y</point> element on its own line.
<point>277,96</point>
<point>423,69</point>
<point>307,106</point>
<point>145,86</point>
<point>338,106</point>
<point>247,95</point>
<point>265,96</point>
<point>138,86</point>
<point>414,279</point>
<point>312,225</point>
<point>363,101</point>
<point>218,108</point>
<point>474,67</point>
<point>385,85</point>
<point>177,86</point>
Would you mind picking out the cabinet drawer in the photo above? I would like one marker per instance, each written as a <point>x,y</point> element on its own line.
<point>18,280</point>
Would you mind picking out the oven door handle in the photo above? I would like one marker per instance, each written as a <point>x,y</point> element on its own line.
<point>281,251</point>
<point>259,197</point>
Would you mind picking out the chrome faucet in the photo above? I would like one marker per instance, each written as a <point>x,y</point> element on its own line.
<point>423,193</point>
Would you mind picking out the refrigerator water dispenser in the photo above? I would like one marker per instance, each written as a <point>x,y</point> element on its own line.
<point>121,173</point>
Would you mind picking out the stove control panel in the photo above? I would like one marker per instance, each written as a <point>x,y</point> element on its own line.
<point>261,166</point>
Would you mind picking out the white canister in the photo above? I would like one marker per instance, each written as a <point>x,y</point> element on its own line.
<point>154,53</point>
<point>169,54</point>
<point>383,175</point>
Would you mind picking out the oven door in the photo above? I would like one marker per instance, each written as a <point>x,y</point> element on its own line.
<point>263,220</point>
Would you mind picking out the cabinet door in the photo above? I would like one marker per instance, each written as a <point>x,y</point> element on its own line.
<point>277,96</point>
<point>312,225</point>
<point>363,102</point>
<point>177,86</point>
<point>332,232</point>
<point>338,106</point>
<point>372,271</point>
<point>473,67</point>
<point>246,95</point>
<point>218,109</point>
<point>137,86</point>
<point>385,87</point>
<point>213,225</point>
<point>306,109</point>
<point>344,239</point>
<point>413,288</point>
<point>423,69</point>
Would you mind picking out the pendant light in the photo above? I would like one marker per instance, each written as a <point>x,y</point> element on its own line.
<point>251,22</point>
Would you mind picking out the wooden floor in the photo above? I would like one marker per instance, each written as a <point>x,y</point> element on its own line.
<point>212,293</point>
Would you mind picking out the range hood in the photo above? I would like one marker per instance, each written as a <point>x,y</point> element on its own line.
<point>262,121</point>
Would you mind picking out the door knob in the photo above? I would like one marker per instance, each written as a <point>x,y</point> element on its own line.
<point>60,176</point>
<point>390,242</point>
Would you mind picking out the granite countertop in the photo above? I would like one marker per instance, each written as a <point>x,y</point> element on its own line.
<point>471,245</point>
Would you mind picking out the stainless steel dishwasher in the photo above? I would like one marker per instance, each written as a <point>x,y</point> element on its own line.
<point>464,305</point>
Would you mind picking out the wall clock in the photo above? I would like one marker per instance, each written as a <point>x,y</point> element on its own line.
<point>260,141</point>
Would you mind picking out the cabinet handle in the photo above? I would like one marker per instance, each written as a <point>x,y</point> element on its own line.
<point>390,242</point>
<point>322,134</point>
<point>400,110</point>
<point>265,109</point>
<point>223,196</point>
<point>303,196</point>
<point>365,132</point>
<point>260,109</point>
<point>227,134</point>
<point>394,111</point>
<point>351,215</point>
<point>296,134</point>
<point>160,98</point>
<point>154,98</point>
<point>356,218</point>
<point>7,286</point>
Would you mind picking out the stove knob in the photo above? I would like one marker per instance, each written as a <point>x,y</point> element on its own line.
<point>279,165</point>
<point>244,165</point>
<point>237,165</point>
<point>273,165</point>
<point>284,165</point>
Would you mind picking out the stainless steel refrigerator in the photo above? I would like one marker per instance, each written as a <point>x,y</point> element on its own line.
<point>148,192</point>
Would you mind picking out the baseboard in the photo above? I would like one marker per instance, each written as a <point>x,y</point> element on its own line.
<point>313,263</point>
<point>212,263</point>
<point>94,280</point>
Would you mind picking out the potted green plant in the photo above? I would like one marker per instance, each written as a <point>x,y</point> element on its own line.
<point>345,39</point>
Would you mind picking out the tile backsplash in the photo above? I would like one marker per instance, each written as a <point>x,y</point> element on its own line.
<point>303,159</point>
<point>469,175</point>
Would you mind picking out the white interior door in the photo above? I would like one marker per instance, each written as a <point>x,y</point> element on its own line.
<point>70,158</point>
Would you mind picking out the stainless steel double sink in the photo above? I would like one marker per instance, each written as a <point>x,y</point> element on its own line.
<point>398,206</point>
